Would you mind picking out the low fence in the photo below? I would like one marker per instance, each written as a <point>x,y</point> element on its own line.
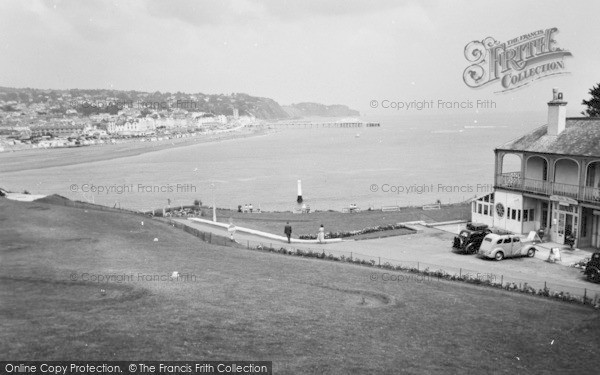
<point>571,293</point>
<point>209,237</point>
<point>556,290</point>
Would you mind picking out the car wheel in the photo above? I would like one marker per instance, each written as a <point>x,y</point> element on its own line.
<point>470,249</point>
<point>456,243</point>
<point>499,255</point>
<point>531,252</point>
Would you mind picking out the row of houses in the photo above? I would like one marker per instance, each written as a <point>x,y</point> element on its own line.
<point>149,124</point>
<point>59,130</point>
<point>557,184</point>
<point>127,126</point>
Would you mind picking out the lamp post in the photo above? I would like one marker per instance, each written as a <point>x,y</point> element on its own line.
<point>212,186</point>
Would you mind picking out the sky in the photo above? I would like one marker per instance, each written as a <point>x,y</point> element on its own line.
<point>328,51</point>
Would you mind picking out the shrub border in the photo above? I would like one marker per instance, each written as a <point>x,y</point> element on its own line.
<point>352,233</point>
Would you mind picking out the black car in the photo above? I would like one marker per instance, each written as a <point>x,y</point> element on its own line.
<point>592,269</point>
<point>469,239</point>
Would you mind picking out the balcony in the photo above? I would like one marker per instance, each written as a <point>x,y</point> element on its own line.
<point>513,181</point>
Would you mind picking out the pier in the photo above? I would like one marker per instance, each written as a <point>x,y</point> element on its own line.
<point>305,124</point>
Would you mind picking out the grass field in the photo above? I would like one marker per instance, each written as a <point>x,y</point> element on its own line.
<point>305,315</point>
<point>333,221</point>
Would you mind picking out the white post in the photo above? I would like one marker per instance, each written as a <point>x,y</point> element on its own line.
<point>299,199</point>
<point>214,204</point>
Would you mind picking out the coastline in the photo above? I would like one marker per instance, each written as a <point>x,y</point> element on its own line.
<point>32,159</point>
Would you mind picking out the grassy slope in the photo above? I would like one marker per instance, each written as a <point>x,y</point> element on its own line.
<point>273,222</point>
<point>305,315</point>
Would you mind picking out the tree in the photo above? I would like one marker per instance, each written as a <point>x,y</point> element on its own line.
<point>593,105</point>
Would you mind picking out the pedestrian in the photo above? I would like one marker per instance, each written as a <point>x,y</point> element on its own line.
<point>250,207</point>
<point>231,229</point>
<point>321,235</point>
<point>288,231</point>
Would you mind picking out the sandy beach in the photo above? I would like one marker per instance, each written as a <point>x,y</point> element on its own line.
<point>31,159</point>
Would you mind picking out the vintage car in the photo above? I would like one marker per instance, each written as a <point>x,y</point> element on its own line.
<point>469,239</point>
<point>592,268</point>
<point>496,246</point>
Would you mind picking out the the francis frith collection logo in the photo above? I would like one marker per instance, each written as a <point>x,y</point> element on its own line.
<point>514,63</point>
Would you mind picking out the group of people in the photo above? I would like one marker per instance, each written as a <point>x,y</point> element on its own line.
<point>288,233</point>
<point>248,208</point>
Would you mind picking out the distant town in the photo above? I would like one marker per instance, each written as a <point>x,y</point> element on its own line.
<point>34,118</point>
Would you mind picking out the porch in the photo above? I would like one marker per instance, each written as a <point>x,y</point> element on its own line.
<point>515,181</point>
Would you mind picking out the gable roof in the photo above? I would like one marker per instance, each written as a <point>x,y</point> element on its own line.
<point>581,137</point>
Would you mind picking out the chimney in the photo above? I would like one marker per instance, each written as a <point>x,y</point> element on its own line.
<point>557,113</point>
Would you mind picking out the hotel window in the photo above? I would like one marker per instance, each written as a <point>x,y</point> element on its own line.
<point>479,207</point>
<point>518,215</point>
<point>485,209</point>
<point>508,210</point>
<point>525,215</point>
<point>531,214</point>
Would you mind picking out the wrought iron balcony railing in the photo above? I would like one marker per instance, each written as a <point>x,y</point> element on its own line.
<point>514,181</point>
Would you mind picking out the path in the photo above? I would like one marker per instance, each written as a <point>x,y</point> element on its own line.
<point>432,248</point>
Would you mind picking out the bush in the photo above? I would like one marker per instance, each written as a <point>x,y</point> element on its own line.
<point>329,235</point>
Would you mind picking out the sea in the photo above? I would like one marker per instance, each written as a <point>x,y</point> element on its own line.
<point>407,161</point>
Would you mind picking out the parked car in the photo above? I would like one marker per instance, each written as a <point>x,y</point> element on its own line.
<point>592,268</point>
<point>496,246</point>
<point>469,239</point>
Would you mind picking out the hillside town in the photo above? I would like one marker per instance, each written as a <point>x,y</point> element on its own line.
<point>65,120</point>
<point>40,118</point>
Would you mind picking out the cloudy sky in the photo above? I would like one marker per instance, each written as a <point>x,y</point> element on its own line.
<point>328,51</point>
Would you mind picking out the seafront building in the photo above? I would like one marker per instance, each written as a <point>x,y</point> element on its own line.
<point>59,130</point>
<point>556,188</point>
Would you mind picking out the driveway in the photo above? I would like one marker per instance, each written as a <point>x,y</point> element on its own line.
<point>431,248</point>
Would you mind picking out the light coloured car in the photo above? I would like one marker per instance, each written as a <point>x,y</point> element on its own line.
<point>496,246</point>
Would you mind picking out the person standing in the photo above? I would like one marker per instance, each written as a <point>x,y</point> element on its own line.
<point>231,229</point>
<point>321,235</point>
<point>288,231</point>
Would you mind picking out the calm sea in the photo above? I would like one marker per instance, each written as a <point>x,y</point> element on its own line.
<point>407,161</point>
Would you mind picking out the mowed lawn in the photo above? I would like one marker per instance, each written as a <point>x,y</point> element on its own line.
<point>333,221</point>
<point>305,315</point>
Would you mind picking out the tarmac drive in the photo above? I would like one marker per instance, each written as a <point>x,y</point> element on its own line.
<point>432,248</point>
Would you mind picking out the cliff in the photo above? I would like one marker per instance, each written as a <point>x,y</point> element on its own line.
<point>315,109</point>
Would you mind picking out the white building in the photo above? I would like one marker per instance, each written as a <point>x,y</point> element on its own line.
<point>557,186</point>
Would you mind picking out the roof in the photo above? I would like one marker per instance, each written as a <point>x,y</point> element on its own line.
<point>581,137</point>
<point>58,126</point>
<point>495,236</point>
